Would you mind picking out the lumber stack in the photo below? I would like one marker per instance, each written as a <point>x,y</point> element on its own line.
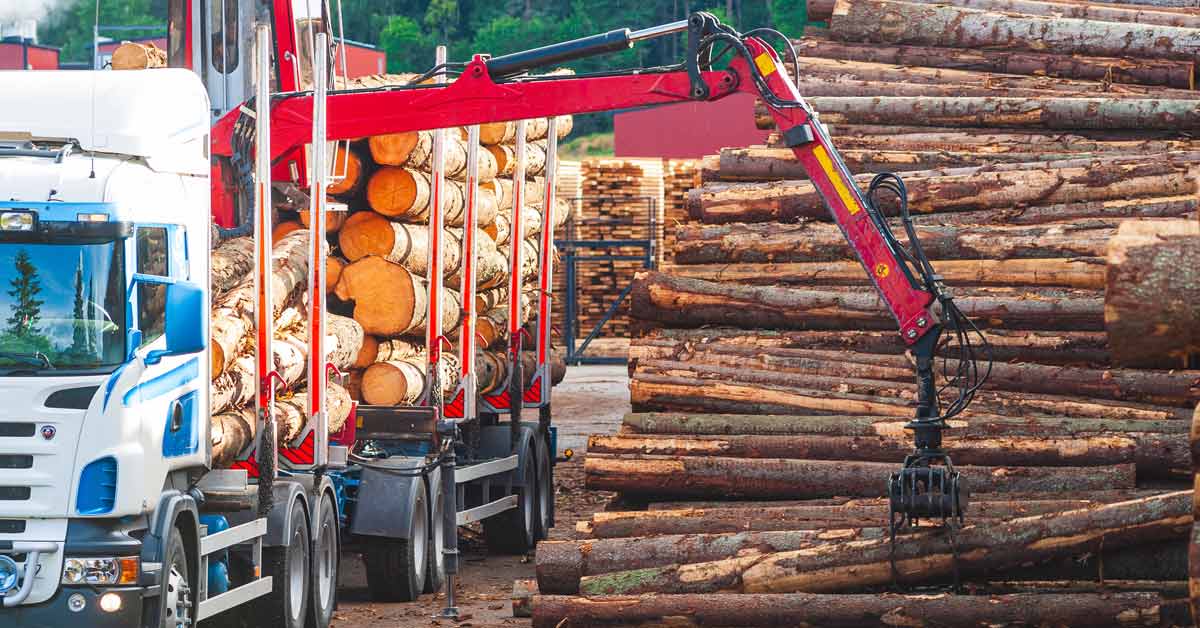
<point>622,199</point>
<point>1053,184</point>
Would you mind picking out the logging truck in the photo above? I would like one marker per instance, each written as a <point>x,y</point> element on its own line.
<point>112,511</point>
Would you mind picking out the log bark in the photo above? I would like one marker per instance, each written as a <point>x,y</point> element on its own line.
<point>1167,73</point>
<point>787,201</point>
<point>858,611</point>
<point>885,79</point>
<point>704,476</point>
<point>1001,112</point>
<point>390,301</point>
<point>535,129</point>
<point>976,426</point>
<point>235,387</point>
<point>1152,296</point>
<point>901,391</point>
<point>1078,11</point>
<point>857,515</point>
<point>233,313</point>
<point>624,543</point>
<point>922,556</point>
<point>1068,347</point>
<point>229,264</point>
<point>505,157</point>
<point>534,191</point>
<point>233,431</point>
<point>881,21</point>
<point>718,392</point>
<point>692,302</point>
<point>1085,273</point>
<point>813,242</point>
<point>1176,387</point>
<point>1023,451</point>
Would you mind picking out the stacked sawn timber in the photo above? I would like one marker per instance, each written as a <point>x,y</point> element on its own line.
<point>769,371</point>
<point>620,200</point>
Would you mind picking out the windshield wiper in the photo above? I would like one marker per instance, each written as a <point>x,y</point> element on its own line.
<point>36,358</point>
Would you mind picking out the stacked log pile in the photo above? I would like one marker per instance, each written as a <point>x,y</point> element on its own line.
<point>232,350</point>
<point>1053,182</point>
<point>379,252</point>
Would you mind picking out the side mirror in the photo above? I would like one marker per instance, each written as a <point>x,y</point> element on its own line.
<point>186,323</point>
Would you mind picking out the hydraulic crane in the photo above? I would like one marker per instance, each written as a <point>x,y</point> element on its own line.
<point>489,89</point>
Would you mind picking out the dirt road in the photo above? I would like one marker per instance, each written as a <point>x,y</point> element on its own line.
<point>591,399</point>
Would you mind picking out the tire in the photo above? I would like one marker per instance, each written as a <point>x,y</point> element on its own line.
<point>435,574</point>
<point>545,491</point>
<point>396,568</point>
<point>286,606</point>
<point>515,531</point>
<point>176,601</point>
<point>324,576</point>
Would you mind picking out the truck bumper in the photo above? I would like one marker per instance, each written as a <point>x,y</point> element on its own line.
<point>54,613</point>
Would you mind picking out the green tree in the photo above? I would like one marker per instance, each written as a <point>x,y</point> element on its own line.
<point>441,19</point>
<point>407,47</point>
<point>27,309</point>
<point>70,26</point>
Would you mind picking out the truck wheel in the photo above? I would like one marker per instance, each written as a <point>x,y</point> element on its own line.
<point>514,531</point>
<point>175,606</point>
<point>324,567</point>
<point>286,606</point>
<point>435,577</point>
<point>545,491</point>
<point>396,567</point>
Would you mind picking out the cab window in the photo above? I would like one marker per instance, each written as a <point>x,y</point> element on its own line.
<point>152,260</point>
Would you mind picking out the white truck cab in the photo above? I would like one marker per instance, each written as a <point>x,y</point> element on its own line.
<point>104,370</point>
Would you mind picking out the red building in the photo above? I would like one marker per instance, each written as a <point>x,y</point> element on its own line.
<point>686,130</point>
<point>22,54</point>
<point>362,60</point>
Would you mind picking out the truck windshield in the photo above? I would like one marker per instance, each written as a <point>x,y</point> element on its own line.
<point>62,307</point>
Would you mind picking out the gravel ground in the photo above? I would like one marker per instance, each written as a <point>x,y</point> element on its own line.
<point>590,399</point>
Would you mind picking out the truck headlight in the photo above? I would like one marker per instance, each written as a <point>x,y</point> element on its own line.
<point>100,571</point>
<point>17,221</point>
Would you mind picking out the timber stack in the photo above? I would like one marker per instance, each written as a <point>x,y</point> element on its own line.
<point>622,199</point>
<point>1053,185</point>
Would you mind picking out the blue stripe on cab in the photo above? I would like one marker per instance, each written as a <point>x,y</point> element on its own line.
<point>164,383</point>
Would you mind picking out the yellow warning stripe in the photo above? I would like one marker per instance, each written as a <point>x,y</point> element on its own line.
<point>835,177</point>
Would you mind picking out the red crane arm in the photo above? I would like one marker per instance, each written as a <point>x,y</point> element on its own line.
<point>474,98</point>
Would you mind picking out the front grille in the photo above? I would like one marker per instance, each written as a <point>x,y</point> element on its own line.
<point>16,461</point>
<point>14,493</point>
<point>12,526</point>
<point>16,430</point>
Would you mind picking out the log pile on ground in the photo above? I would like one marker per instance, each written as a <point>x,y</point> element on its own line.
<point>1053,182</point>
